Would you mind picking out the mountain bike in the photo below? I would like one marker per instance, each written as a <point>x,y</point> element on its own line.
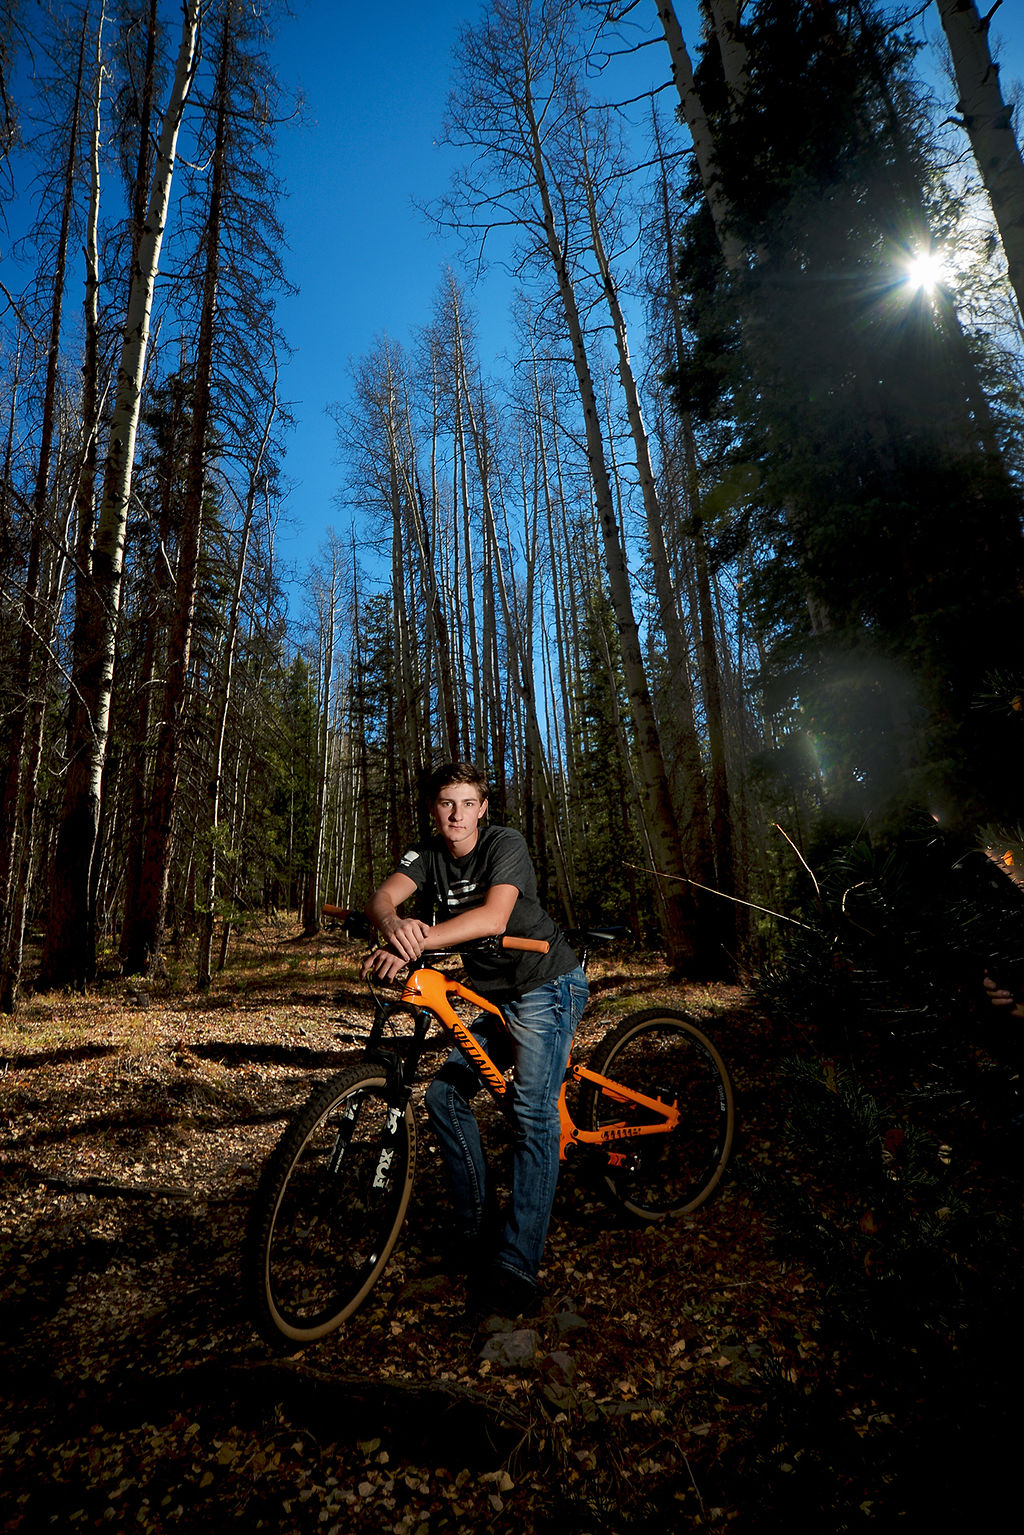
<point>653,1118</point>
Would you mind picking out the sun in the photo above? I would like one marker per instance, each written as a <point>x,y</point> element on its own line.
<point>925,271</point>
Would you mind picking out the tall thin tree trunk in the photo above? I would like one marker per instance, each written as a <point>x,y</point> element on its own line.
<point>69,957</point>
<point>18,803</point>
<point>694,808</point>
<point>518,627</point>
<point>145,925</point>
<point>700,132</point>
<point>209,903</point>
<point>988,121</point>
<point>682,935</point>
<point>313,896</point>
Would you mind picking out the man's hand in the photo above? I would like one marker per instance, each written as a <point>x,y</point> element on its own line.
<point>407,935</point>
<point>383,963</point>
<point>1003,999</point>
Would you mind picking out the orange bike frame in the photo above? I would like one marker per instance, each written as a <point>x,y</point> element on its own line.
<point>430,989</point>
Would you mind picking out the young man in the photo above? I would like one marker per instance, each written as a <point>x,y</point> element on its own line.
<point>482,881</point>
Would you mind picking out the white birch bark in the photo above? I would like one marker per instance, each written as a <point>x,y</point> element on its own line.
<point>326,598</point>
<point>113,515</point>
<point>696,808</point>
<point>732,50</point>
<point>69,955</point>
<point>206,926</point>
<point>700,133</point>
<point>658,815</point>
<point>988,121</point>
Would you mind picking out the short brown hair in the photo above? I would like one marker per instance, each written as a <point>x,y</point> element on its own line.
<point>456,772</point>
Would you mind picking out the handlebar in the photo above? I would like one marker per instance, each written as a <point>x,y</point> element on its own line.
<point>358,926</point>
<point>355,924</point>
<point>491,941</point>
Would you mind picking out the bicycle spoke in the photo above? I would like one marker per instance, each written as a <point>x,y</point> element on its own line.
<point>330,1206</point>
<point>662,1055</point>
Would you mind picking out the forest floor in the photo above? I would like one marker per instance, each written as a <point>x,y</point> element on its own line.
<point>663,1386</point>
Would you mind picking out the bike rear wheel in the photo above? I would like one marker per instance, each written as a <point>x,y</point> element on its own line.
<point>662,1053</point>
<point>329,1206</point>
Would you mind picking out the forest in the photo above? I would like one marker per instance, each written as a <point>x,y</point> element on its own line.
<point>717,574</point>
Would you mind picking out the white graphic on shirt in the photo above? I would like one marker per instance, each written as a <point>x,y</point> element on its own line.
<point>412,856</point>
<point>461,894</point>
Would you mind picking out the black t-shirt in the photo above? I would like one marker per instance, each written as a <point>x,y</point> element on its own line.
<point>500,857</point>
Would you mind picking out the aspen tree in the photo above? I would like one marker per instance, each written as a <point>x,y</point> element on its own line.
<point>509,104</point>
<point>517,610</point>
<point>724,16</point>
<point>696,119</point>
<point>326,581</point>
<point>693,799</point>
<point>988,121</point>
<point>439,664</point>
<point>145,927</point>
<point>69,956</point>
<point>256,487</point>
<point>38,615</point>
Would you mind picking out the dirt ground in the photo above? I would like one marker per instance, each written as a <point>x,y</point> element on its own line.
<point>138,1397</point>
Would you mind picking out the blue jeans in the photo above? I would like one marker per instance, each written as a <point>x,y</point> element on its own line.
<point>541,1026</point>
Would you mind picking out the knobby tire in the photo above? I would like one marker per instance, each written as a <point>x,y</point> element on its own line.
<point>662,1053</point>
<point>329,1206</point>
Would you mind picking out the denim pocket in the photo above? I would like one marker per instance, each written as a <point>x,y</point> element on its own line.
<point>579,992</point>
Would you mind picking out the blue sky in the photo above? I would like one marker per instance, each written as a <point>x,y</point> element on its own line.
<point>366,261</point>
<point>375,81</point>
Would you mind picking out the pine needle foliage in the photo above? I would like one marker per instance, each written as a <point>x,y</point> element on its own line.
<point>884,537</point>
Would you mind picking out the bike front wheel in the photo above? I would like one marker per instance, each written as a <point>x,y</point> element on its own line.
<point>662,1054</point>
<point>329,1206</point>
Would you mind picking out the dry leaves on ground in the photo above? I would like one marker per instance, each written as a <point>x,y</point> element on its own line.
<point>139,1397</point>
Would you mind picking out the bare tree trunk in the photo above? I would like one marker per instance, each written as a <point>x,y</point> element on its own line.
<point>714,709</point>
<point>721,810</point>
<point>403,702</point>
<point>518,625</point>
<point>155,605</point>
<point>18,805</point>
<point>327,600</point>
<point>694,808</point>
<point>69,956</point>
<point>988,121</point>
<point>447,680</point>
<point>364,793</point>
<point>209,913</point>
<point>700,132</point>
<point>473,734</point>
<point>732,50</point>
<point>145,923</point>
<point>682,937</point>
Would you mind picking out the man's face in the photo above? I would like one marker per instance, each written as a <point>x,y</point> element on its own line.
<point>457,812</point>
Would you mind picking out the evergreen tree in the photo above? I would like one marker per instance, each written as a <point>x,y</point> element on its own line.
<point>609,847</point>
<point>887,527</point>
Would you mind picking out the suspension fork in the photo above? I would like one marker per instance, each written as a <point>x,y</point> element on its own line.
<point>400,1074</point>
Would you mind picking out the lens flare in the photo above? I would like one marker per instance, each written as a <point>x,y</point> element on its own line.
<point>925,271</point>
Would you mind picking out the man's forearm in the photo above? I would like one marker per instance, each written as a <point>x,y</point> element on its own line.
<point>382,912</point>
<point>484,921</point>
<point>479,922</point>
<point>404,934</point>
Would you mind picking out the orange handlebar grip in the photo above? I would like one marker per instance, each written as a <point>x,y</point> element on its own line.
<point>531,945</point>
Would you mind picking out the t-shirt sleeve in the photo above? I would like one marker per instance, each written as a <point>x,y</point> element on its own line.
<point>413,864</point>
<point>509,862</point>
